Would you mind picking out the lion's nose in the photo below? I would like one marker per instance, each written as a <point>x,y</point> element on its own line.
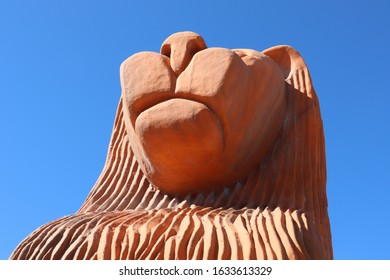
<point>180,48</point>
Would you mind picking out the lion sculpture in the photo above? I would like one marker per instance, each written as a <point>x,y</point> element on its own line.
<point>214,154</point>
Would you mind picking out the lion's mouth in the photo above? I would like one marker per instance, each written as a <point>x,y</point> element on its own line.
<point>152,101</point>
<point>180,116</point>
<point>158,99</point>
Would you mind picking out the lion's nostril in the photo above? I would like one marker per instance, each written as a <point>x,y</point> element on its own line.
<point>166,50</point>
<point>180,48</point>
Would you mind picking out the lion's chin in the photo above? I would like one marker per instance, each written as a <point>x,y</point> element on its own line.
<point>179,136</point>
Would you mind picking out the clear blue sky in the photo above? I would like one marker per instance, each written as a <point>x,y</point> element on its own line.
<point>59,88</point>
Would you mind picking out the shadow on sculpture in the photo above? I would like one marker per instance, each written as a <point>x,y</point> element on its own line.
<point>214,154</point>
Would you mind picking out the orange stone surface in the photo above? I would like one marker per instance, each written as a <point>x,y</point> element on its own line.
<point>215,154</point>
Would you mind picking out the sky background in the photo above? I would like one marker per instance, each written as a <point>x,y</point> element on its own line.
<point>59,90</point>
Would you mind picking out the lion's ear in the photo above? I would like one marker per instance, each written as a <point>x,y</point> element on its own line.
<point>293,67</point>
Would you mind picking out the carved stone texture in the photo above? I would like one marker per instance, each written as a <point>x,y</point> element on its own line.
<point>215,154</point>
